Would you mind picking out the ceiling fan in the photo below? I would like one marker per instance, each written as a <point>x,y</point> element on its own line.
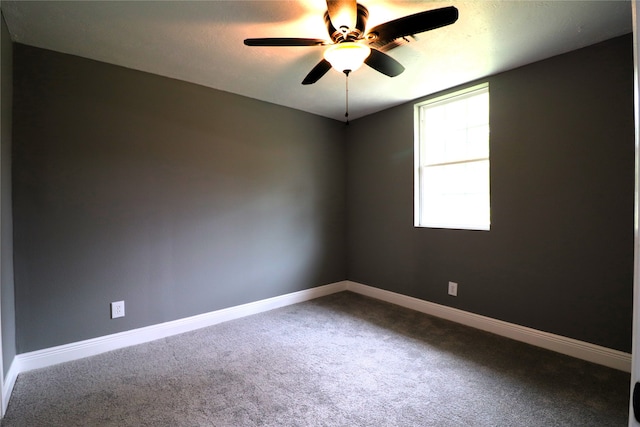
<point>351,45</point>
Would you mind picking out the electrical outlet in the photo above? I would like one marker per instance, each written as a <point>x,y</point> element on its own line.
<point>117,309</point>
<point>453,289</point>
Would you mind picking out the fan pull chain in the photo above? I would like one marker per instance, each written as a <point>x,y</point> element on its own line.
<point>346,114</point>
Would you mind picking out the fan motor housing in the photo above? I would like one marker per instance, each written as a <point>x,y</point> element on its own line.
<point>348,34</point>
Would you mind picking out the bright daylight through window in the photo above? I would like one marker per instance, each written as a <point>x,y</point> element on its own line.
<point>452,161</point>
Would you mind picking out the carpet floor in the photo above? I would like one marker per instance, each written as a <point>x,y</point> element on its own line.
<point>340,360</point>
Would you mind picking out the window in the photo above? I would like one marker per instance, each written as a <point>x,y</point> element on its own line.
<point>452,161</point>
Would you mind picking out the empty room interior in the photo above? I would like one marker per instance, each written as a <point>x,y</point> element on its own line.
<point>189,200</point>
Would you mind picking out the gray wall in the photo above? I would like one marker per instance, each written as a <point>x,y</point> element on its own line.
<point>559,256</point>
<point>6,224</point>
<point>173,197</point>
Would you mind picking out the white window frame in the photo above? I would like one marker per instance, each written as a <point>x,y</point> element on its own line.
<point>418,168</point>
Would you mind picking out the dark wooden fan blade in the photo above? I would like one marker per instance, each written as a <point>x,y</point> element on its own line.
<point>317,72</point>
<point>343,12</point>
<point>384,63</point>
<point>412,24</point>
<point>284,41</point>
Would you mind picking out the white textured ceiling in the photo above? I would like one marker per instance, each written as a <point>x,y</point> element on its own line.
<point>202,42</point>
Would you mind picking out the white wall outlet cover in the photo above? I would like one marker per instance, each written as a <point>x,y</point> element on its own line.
<point>453,289</point>
<point>117,309</point>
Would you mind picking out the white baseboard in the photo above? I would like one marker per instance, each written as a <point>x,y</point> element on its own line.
<point>7,385</point>
<point>77,350</point>
<point>571,347</point>
<point>68,352</point>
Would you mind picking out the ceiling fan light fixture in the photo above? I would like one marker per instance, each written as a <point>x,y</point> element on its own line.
<point>347,56</point>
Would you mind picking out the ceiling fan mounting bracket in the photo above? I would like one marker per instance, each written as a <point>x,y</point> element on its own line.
<point>345,33</point>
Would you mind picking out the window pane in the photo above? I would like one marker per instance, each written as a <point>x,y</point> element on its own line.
<point>478,109</point>
<point>456,195</point>
<point>455,130</point>
<point>478,142</point>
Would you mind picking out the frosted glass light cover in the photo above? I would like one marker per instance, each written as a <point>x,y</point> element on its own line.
<point>347,55</point>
